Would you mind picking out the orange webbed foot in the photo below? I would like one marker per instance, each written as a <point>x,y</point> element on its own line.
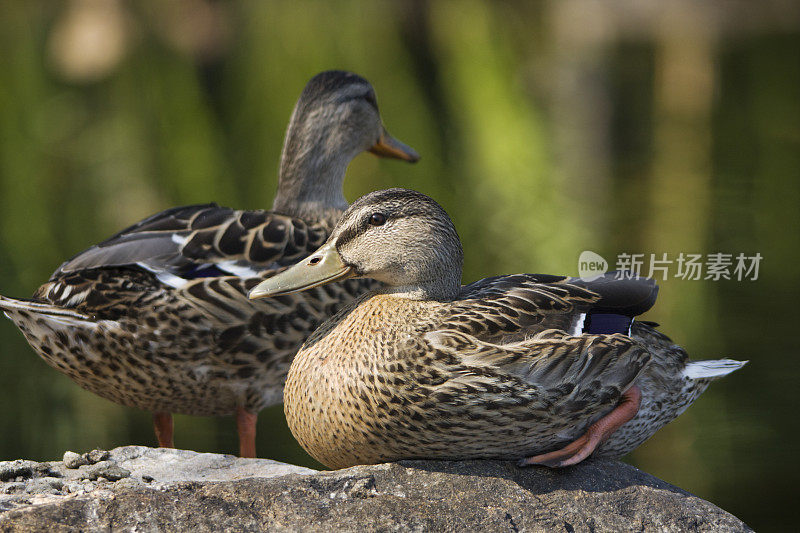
<point>583,446</point>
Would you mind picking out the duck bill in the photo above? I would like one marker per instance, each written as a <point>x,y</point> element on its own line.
<point>323,266</point>
<point>388,146</point>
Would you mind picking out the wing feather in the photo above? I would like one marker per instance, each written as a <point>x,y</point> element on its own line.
<point>185,242</point>
<point>569,370</point>
<point>509,308</point>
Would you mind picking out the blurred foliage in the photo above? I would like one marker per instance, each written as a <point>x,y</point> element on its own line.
<point>546,129</point>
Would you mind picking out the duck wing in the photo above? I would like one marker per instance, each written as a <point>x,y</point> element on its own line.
<point>570,377</point>
<point>620,293</point>
<point>519,305</point>
<point>200,241</point>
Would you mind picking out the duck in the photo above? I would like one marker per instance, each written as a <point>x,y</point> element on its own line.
<point>157,317</point>
<point>540,369</point>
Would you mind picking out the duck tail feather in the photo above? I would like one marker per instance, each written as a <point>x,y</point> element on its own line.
<point>30,306</point>
<point>712,369</point>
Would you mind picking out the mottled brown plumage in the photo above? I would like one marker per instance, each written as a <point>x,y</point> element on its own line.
<point>506,367</point>
<point>157,317</point>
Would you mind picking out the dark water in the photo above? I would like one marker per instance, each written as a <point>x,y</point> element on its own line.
<point>545,130</point>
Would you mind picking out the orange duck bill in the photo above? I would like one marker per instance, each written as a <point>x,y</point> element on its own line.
<point>388,146</point>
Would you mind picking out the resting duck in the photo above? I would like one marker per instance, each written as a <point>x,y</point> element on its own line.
<point>157,316</point>
<point>543,369</point>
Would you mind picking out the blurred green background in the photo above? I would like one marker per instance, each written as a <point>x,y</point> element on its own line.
<point>546,128</point>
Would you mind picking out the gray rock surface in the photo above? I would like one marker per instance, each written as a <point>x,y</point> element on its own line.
<point>144,489</point>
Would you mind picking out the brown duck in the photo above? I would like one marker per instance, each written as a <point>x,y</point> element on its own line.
<point>157,316</point>
<point>543,369</point>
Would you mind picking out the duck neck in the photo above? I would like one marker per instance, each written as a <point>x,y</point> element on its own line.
<point>311,174</point>
<point>442,289</point>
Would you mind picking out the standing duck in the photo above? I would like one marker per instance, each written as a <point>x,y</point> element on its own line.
<point>543,369</point>
<point>157,316</point>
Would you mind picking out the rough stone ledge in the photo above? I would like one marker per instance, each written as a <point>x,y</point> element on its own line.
<point>145,489</point>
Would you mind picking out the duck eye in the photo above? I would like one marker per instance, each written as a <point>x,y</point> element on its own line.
<point>377,219</point>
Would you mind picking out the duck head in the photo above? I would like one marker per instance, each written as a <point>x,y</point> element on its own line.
<point>335,119</point>
<point>400,237</point>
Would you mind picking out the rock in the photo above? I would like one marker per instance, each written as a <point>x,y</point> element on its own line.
<point>44,485</point>
<point>95,456</point>
<point>11,470</point>
<point>177,490</point>
<point>127,467</point>
<point>21,469</point>
<point>14,487</point>
<point>107,471</point>
<point>73,460</point>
